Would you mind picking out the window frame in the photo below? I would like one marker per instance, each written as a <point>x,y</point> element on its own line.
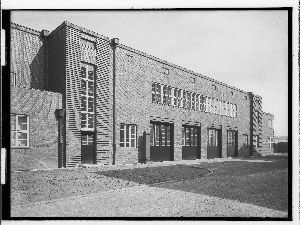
<point>27,131</point>
<point>87,42</point>
<point>246,142</point>
<point>13,79</point>
<point>88,97</point>
<point>130,136</point>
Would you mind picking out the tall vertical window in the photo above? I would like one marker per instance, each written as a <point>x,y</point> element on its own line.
<point>193,101</point>
<point>256,141</point>
<point>224,108</point>
<point>13,79</point>
<point>156,93</point>
<point>87,97</point>
<point>197,102</point>
<point>128,135</point>
<point>184,105</point>
<point>180,98</point>
<point>212,106</point>
<point>270,142</point>
<point>207,101</point>
<point>188,100</point>
<point>220,108</point>
<point>228,109</point>
<point>19,128</point>
<point>217,107</point>
<point>245,136</point>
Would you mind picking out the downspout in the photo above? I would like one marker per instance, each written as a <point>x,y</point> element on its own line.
<point>251,124</point>
<point>114,43</point>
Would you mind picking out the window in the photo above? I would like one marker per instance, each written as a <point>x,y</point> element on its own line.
<point>245,97</point>
<point>193,101</point>
<point>271,142</point>
<point>180,98</point>
<point>193,79</point>
<point>245,136</point>
<point>216,107</point>
<point>220,108</point>
<point>207,107</point>
<point>165,71</point>
<point>88,44</point>
<point>214,87</point>
<point>212,107</point>
<point>13,79</point>
<point>197,102</point>
<point>128,135</point>
<point>188,100</point>
<point>270,124</point>
<point>87,97</point>
<point>256,141</point>
<point>225,108</point>
<point>231,92</point>
<point>19,130</point>
<point>228,109</point>
<point>184,99</point>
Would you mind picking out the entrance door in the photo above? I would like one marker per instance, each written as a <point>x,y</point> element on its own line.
<point>161,142</point>
<point>214,144</point>
<point>87,148</point>
<point>231,144</point>
<point>190,145</point>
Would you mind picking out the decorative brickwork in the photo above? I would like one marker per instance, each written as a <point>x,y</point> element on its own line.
<point>40,106</point>
<point>27,57</point>
<point>104,96</point>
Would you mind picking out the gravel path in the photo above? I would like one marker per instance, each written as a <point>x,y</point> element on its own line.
<point>144,201</point>
<point>219,187</point>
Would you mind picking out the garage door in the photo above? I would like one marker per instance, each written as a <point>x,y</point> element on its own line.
<point>161,142</point>
<point>231,144</point>
<point>214,147</point>
<point>190,142</point>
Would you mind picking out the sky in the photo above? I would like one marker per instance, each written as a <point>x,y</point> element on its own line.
<point>245,49</point>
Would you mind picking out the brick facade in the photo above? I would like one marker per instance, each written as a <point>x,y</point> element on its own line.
<point>57,61</point>
<point>40,106</point>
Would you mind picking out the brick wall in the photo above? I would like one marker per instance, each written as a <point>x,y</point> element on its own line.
<point>135,73</point>
<point>266,131</point>
<point>27,57</point>
<point>40,107</point>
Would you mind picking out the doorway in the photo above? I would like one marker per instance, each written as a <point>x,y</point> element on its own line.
<point>87,148</point>
<point>161,142</point>
<point>214,147</point>
<point>191,142</point>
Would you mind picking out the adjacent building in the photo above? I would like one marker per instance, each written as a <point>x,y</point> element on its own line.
<point>121,105</point>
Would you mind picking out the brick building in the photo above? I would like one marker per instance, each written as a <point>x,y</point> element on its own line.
<point>121,105</point>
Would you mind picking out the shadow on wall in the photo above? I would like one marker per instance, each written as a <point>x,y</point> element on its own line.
<point>37,70</point>
<point>141,148</point>
<point>244,151</point>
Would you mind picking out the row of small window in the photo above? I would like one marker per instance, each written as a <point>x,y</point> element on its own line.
<point>270,123</point>
<point>167,95</point>
<point>88,44</point>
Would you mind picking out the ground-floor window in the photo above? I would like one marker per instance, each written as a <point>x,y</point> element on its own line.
<point>245,136</point>
<point>128,135</point>
<point>271,142</point>
<point>256,141</point>
<point>19,130</point>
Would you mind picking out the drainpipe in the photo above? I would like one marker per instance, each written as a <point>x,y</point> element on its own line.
<point>60,113</point>
<point>250,94</point>
<point>114,43</point>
